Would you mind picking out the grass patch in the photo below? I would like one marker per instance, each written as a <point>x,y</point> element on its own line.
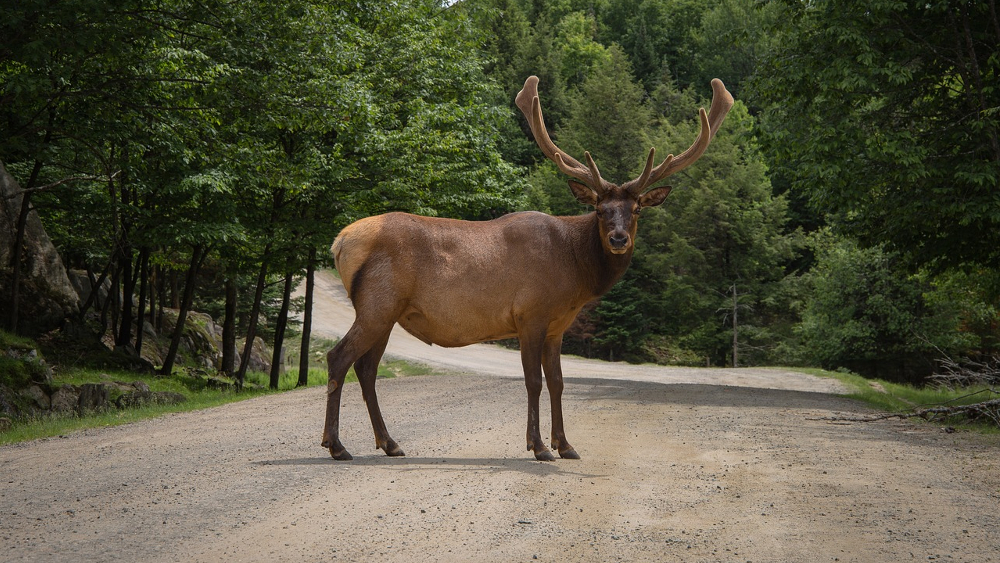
<point>17,368</point>
<point>198,393</point>
<point>890,397</point>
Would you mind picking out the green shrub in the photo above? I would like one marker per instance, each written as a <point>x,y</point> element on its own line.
<point>20,363</point>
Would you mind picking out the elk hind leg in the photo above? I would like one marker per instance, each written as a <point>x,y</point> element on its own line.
<point>336,372</point>
<point>358,341</point>
<point>367,369</point>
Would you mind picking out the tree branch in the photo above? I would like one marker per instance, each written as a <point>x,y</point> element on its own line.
<point>61,182</point>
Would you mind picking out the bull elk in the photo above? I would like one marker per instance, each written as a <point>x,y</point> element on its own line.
<point>525,275</point>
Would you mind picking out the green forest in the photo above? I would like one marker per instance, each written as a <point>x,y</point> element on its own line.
<point>202,156</point>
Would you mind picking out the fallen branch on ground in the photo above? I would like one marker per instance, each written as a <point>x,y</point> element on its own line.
<point>977,411</point>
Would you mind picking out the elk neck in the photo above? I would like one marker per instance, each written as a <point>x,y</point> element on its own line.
<point>601,268</point>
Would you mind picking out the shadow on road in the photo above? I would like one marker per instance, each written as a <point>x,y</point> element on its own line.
<point>406,463</point>
<point>702,395</point>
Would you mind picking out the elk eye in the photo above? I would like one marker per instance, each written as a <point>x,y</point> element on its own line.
<point>600,212</point>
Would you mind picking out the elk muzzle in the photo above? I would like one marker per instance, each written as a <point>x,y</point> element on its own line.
<point>619,242</point>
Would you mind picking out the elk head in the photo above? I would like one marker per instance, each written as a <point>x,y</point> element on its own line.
<point>617,206</point>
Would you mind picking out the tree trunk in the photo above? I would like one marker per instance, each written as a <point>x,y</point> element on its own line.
<point>153,301</point>
<point>112,301</point>
<point>16,259</point>
<point>94,285</point>
<point>175,302</point>
<point>279,332</point>
<point>197,258</point>
<point>229,329</point>
<point>124,337</point>
<point>307,321</point>
<point>736,324</point>
<point>129,277</point>
<point>254,313</point>
<point>140,315</point>
<point>161,277</point>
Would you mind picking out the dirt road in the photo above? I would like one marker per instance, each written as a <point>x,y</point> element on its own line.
<point>678,465</point>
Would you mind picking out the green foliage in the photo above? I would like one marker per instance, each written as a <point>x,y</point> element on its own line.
<point>255,130</point>
<point>579,52</point>
<point>863,316</point>
<point>729,42</point>
<point>608,95</point>
<point>656,34</point>
<point>621,324</point>
<point>722,228</point>
<point>884,113</point>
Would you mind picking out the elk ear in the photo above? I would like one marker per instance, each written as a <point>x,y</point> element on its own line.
<point>583,193</point>
<point>654,196</point>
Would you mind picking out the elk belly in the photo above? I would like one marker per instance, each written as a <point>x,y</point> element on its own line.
<point>454,330</point>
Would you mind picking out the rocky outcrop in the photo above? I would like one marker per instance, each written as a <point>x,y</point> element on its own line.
<point>47,296</point>
<point>39,400</point>
<point>201,344</point>
<point>82,284</point>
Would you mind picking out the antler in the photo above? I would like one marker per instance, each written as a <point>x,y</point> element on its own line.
<point>527,101</point>
<point>722,102</point>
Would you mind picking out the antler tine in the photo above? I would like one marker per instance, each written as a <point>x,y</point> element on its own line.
<point>722,102</point>
<point>633,186</point>
<point>594,172</point>
<point>528,102</point>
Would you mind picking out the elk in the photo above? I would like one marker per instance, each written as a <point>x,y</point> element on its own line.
<point>525,275</point>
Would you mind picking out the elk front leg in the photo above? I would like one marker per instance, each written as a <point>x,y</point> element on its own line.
<point>554,381</point>
<point>367,369</point>
<point>531,362</point>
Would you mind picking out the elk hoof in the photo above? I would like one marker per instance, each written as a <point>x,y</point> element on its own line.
<point>392,449</point>
<point>545,455</point>
<point>342,455</point>
<point>337,450</point>
<point>569,454</point>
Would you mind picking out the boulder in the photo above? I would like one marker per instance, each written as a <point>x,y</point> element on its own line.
<point>201,344</point>
<point>65,399</point>
<point>83,287</point>
<point>135,394</point>
<point>140,398</point>
<point>93,398</point>
<point>9,403</point>
<point>36,397</point>
<point>168,398</point>
<point>260,355</point>
<point>21,366</point>
<point>47,296</point>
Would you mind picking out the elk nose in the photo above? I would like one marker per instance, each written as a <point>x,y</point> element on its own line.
<point>618,241</point>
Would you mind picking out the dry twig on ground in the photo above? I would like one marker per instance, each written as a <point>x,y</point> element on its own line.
<point>989,410</point>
